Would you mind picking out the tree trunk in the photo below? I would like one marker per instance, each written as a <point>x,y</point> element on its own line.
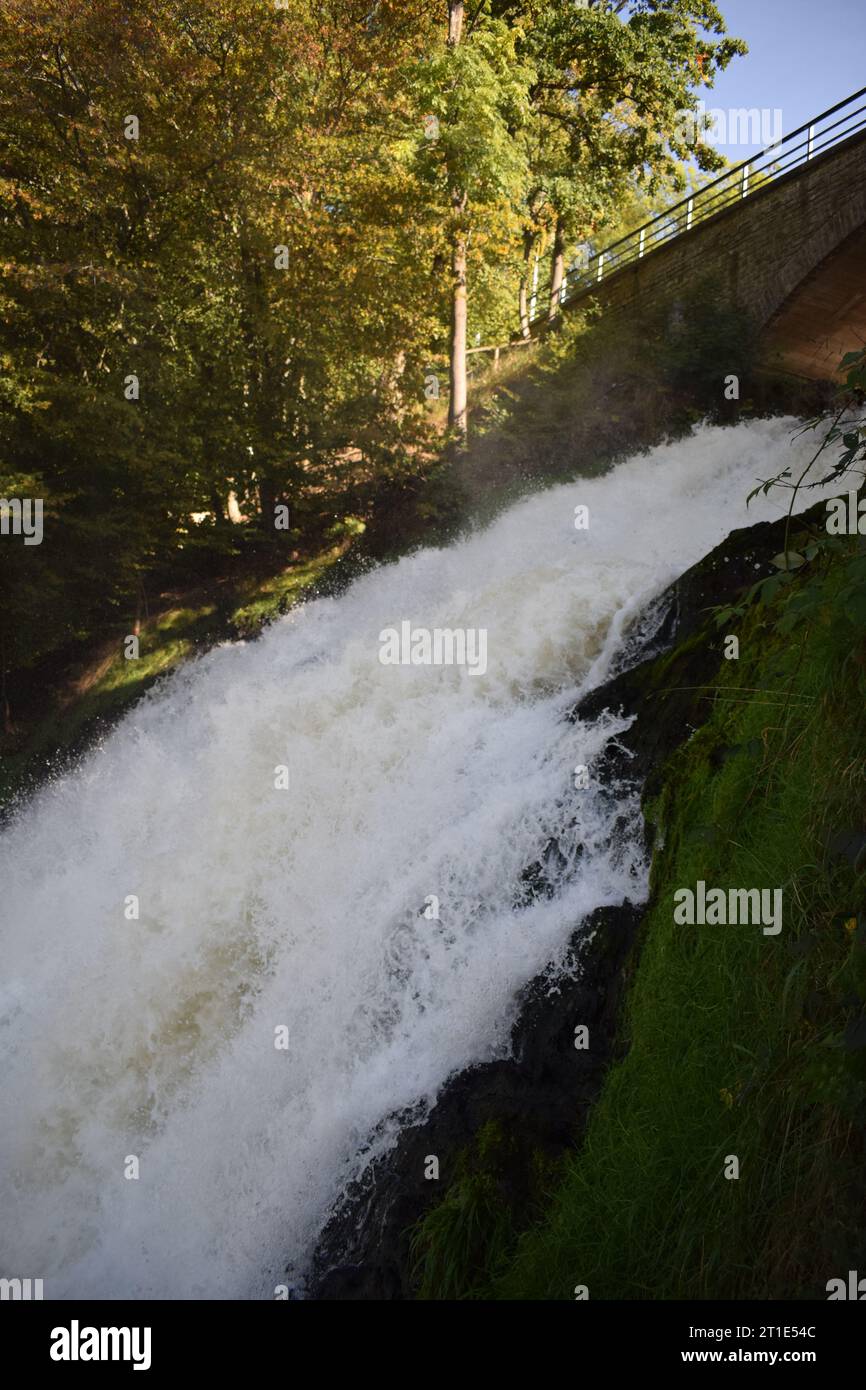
<point>457,402</point>
<point>267,504</point>
<point>457,362</point>
<point>263,381</point>
<point>389,390</point>
<point>557,269</point>
<point>455,22</point>
<point>524,283</point>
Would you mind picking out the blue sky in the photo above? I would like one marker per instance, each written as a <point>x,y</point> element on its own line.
<point>804,56</point>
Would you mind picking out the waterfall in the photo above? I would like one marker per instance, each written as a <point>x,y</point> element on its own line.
<point>368,914</point>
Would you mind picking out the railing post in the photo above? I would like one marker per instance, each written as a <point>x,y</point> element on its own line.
<point>642,243</point>
<point>600,265</point>
<point>690,211</point>
<point>745,181</point>
<point>810,142</point>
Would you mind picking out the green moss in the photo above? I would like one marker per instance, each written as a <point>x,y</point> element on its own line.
<point>739,1043</point>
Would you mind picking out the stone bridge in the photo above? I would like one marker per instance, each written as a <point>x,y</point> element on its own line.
<point>786,244</point>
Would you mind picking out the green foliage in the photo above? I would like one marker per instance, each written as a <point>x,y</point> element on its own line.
<point>270,259</point>
<point>614,81</point>
<point>737,1043</point>
<point>465,1240</point>
<point>843,424</point>
<point>466,1235</point>
<point>478,90</point>
<point>155,256</point>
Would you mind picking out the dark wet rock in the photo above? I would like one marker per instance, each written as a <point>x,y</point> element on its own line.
<point>540,1096</point>
<point>670,696</point>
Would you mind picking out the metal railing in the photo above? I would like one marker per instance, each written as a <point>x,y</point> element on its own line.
<point>732,186</point>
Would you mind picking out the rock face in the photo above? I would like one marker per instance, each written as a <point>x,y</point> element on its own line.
<point>541,1096</point>
<point>538,1097</point>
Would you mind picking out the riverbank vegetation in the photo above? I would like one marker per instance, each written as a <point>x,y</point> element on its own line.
<point>738,1045</point>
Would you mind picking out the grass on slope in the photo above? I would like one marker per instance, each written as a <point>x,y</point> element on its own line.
<point>740,1043</point>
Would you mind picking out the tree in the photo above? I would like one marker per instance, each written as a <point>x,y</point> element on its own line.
<point>612,81</point>
<point>477,88</point>
<point>154,356</point>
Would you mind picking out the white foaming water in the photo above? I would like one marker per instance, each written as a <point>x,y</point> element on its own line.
<point>263,907</point>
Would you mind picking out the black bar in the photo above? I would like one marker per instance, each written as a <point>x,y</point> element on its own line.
<point>220,1337</point>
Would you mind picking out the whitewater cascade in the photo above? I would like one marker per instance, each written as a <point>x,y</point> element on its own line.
<point>263,908</point>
